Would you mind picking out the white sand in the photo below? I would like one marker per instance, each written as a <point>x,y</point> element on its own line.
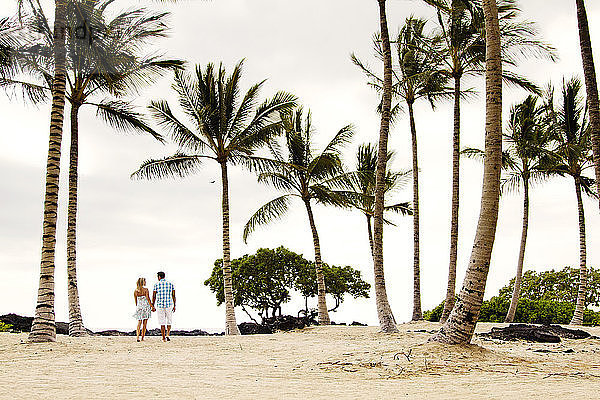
<point>321,362</point>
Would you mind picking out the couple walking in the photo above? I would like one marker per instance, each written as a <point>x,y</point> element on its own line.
<point>163,302</point>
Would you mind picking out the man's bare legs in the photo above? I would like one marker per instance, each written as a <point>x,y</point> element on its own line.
<point>162,332</point>
<point>168,332</point>
<point>143,329</point>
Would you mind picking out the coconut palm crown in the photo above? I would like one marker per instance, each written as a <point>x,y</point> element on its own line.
<point>306,174</point>
<point>219,125</point>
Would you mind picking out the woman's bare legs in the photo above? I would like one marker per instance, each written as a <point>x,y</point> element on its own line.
<point>137,330</point>
<point>144,329</point>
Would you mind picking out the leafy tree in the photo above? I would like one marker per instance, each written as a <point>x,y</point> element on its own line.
<point>264,281</point>
<point>221,126</point>
<point>554,285</point>
<point>339,281</point>
<point>309,176</point>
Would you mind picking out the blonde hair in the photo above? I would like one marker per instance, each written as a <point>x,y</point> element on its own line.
<point>140,283</point>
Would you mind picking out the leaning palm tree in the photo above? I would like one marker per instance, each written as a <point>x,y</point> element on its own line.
<point>591,85</point>
<point>460,325</point>
<point>221,127</point>
<point>574,157</point>
<point>106,68</point>
<point>525,162</point>
<point>384,312</point>
<point>308,175</point>
<point>461,25</point>
<point>418,76</point>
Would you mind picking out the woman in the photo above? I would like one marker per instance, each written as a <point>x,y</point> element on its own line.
<point>144,308</point>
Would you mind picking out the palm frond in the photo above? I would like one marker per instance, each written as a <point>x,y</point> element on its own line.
<point>269,212</point>
<point>122,116</point>
<point>176,166</point>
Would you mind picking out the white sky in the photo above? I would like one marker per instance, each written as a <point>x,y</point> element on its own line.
<point>129,229</point>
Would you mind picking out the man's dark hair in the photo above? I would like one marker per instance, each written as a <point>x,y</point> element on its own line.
<point>161,275</point>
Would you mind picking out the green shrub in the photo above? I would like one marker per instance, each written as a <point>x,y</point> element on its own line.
<point>5,327</point>
<point>435,314</point>
<point>528,312</point>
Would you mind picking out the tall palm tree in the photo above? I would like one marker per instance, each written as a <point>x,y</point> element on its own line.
<point>460,325</point>
<point>224,128</point>
<point>109,65</point>
<point>384,312</point>
<point>461,25</point>
<point>591,85</point>
<point>364,185</point>
<point>574,157</point>
<point>309,176</point>
<point>525,161</point>
<point>418,76</point>
<point>43,328</point>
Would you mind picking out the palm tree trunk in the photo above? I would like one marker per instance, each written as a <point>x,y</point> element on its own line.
<point>582,290</point>
<point>510,316</point>
<point>231,327</point>
<point>451,289</point>
<point>321,291</point>
<point>76,327</point>
<point>591,85</point>
<point>43,328</point>
<point>370,233</point>
<point>417,313</point>
<point>386,318</point>
<point>460,325</point>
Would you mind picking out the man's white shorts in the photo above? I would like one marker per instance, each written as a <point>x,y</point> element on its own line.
<point>165,315</point>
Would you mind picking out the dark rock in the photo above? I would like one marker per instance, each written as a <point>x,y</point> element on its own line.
<point>354,323</point>
<point>288,322</point>
<point>566,333</point>
<point>534,333</point>
<point>252,328</point>
<point>23,324</point>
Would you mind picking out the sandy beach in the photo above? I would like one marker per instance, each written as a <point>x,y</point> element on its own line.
<point>317,362</point>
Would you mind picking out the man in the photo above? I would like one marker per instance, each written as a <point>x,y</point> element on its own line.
<point>163,298</point>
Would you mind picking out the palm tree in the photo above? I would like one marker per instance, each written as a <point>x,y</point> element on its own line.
<point>460,325</point>
<point>10,45</point>
<point>574,157</point>
<point>461,25</point>
<point>418,77</point>
<point>224,130</point>
<point>591,85</point>
<point>309,176</point>
<point>43,328</point>
<point>109,65</point>
<point>364,185</point>
<point>384,312</point>
<point>525,161</point>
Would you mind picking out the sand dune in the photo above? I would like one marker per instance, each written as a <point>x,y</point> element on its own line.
<point>316,363</point>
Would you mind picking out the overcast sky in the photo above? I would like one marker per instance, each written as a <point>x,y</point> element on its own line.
<point>130,228</point>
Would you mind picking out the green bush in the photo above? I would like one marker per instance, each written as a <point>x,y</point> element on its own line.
<point>435,314</point>
<point>5,327</point>
<point>528,312</point>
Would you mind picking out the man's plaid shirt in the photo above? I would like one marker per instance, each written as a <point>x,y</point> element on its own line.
<point>164,290</point>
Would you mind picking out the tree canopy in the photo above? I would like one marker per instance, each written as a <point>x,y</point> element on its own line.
<point>264,281</point>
